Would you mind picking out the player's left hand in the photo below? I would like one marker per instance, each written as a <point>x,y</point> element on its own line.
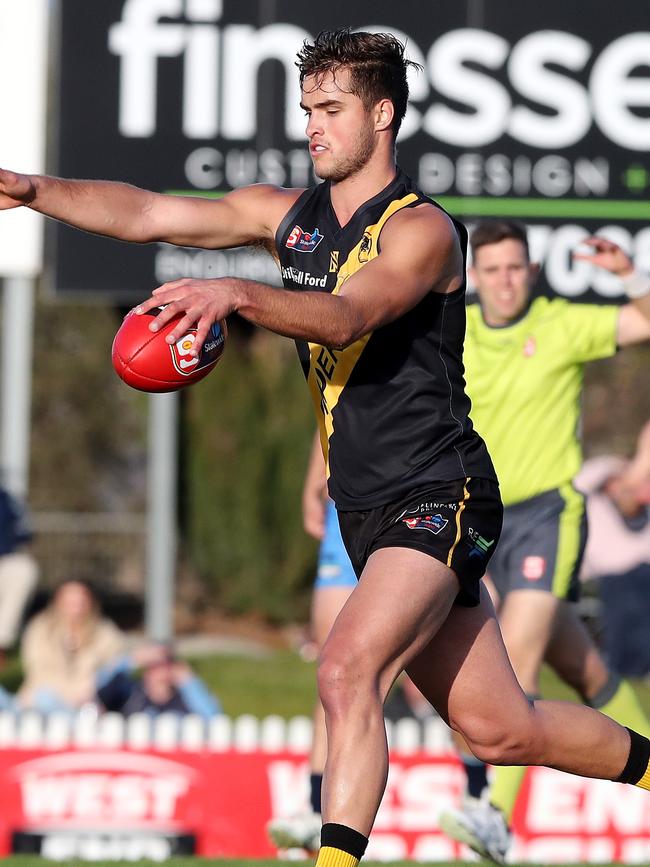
<point>606,254</point>
<point>202,302</point>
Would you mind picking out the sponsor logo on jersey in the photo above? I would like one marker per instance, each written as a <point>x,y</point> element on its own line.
<point>334,261</point>
<point>365,247</point>
<point>533,568</point>
<point>479,544</point>
<point>530,347</point>
<point>304,278</point>
<point>303,242</point>
<point>433,523</point>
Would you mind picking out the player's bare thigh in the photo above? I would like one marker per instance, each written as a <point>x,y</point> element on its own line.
<point>528,619</point>
<point>466,674</point>
<point>402,599</point>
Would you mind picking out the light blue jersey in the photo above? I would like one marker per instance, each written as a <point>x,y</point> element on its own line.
<point>334,567</point>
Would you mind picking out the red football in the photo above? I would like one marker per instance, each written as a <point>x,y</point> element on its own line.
<point>145,361</point>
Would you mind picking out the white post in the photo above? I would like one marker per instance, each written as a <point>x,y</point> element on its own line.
<point>17,331</point>
<point>161,515</point>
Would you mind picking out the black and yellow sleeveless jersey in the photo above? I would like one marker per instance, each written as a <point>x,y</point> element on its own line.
<point>391,407</point>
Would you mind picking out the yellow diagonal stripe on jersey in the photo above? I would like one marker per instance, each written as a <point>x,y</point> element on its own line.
<point>330,369</point>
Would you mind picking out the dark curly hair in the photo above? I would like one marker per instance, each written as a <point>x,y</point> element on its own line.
<point>376,62</point>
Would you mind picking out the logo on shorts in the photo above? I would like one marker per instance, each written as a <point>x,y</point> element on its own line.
<point>433,523</point>
<point>533,568</point>
<point>303,242</point>
<point>480,545</point>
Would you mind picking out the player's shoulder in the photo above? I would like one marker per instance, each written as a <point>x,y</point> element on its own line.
<point>424,223</point>
<point>563,309</point>
<point>549,309</point>
<point>265,203</point>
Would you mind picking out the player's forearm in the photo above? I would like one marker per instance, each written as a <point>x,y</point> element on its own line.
<point>637,288</point>
<point>643,304</point>
<point>317,317</point>
<point>108,208</point>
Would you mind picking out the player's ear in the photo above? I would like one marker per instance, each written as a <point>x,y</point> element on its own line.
<point>384,114</point>
<point>471,276</point>
<point>533,269</point>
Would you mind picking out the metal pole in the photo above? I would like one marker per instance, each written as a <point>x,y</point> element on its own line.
<point>17,340</point>
<point>161,515</point>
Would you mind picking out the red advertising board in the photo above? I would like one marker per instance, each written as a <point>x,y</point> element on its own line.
<point>125,803</point>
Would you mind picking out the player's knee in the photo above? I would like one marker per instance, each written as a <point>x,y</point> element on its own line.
<point>503,743</point>
<point>341,681</point>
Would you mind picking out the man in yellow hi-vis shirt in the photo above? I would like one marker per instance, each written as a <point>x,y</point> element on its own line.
<point>524,358</point>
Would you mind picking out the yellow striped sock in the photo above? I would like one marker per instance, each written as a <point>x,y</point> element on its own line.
<point>328,856</point>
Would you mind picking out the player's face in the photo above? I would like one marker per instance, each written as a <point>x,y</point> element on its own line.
<point>341,132</point>
<point>503,277</point>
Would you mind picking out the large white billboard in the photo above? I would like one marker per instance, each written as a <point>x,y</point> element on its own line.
<point>23,76</point>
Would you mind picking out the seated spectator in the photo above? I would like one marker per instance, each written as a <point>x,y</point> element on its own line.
<point>18,570</point>
<point>617,556</point>
<point>63,648</point>
<point>164,684</point>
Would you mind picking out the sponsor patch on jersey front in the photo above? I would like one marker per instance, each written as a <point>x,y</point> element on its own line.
<point>303,242</point>
<point>304,278</point>
<point>530,347</point>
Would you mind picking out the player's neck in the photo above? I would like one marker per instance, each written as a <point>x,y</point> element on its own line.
<point>348,195</point>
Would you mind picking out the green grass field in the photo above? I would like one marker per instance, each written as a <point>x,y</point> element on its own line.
<point>29,861</point>
<point>284,684</point>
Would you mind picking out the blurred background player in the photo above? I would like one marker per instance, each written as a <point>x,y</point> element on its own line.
<point>617,556</point>
<point>524,358</point>
<point>18,570</point>
<point>335,580</point>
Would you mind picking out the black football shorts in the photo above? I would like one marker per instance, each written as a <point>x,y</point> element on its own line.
<point>457,522</point>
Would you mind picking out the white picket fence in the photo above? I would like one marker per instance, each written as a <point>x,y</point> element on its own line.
<point>168,732</point>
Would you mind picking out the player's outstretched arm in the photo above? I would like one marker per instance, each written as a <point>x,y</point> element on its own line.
<point>633,319</point>
<point>129,213</point>
<point>314,492</point>
<point>419,253</point>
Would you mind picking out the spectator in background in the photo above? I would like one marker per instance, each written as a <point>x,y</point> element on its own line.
<point>18,570</point>
<point>407,702</point>
<point>165,685</point>
<point>618,551</point>
<point>64,647</point>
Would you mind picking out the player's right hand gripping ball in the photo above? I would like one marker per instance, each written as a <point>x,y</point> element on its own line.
<point>143,359</point>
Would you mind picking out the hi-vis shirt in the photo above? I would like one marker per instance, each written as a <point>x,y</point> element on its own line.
<point>525,381</point>
<point>391,407</point>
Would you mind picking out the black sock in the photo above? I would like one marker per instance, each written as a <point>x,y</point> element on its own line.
<point>315,787</point>
<point>476,773</point>
<point>638,760</point>
<point>343,838</point>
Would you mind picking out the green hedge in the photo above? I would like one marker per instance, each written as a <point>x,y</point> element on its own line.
<point>247,433</point>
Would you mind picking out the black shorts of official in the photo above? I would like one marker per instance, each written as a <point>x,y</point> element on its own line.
<point>456,522</point>
<point>542,545</point>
